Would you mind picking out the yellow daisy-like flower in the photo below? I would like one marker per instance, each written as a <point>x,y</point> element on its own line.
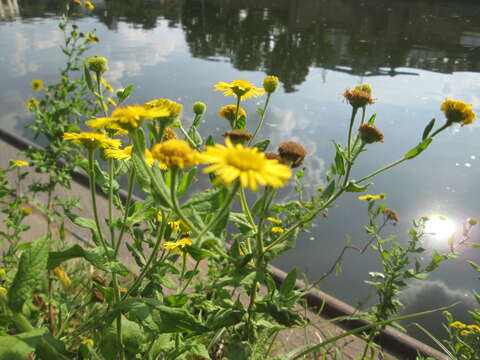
<point>172,109</point>
<point>106,123</point>
<point>274,220</point>
<point>465,332</point>
<point>249,165</point>
<point>93,38</point>
<point>474,327</point>
<point>37,85</point>
<point>368,197</point>
<point>26,211</point>
<point>32,103</point>
<point>127,118</point>
<point>2,273</point>
<point>277,229</point>
<point>125,154</point>
<point>228,112</point>
<point>458,325</point>
<point>88,342</point>
<point>177,247</point>
<point>18,163</point>
<point>77,2</point>
<point>240,88</point>
<point>92,140</point>
<point>175,153</point>
<point>62,276</point>
<point>458,112</point>
<point>89,5</point>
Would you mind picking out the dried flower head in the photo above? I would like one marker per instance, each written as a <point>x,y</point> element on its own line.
<point>175,153</point>
<point>270,83</point>
<point>370,134</point>
<point>292,153</point>
<point>358,98</point>
<point>238,136</point>
<point>458,112</point>
<point>391,215</point>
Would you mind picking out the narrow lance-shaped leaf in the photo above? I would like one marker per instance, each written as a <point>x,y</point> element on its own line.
<point>417,150</point>
<point>428,129</point>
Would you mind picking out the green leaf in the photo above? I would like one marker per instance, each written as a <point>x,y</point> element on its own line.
<point>88,78</point>
<point>417,150</point>
<point>239,351</point>
<point>186,181</point>
<point>177,320</point>
<point>138,159</point>
<point>428,128</point>
<point>122,94</point>
<point>241,123</point>
<point>55,258</point>
<point>371,121</point>
<point>176,300</point>
<point>339,159</point>
<point>205,202</point>
<point>31,268</point>
<point>262,145</point>
<point>12,348</point>
<point>289,283</point>
<point>224,318</point>
<point>197,253</point>
<point>328,190</point>
<point>354,188</point>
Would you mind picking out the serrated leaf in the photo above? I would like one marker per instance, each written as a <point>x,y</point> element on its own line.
<point>31,268</point>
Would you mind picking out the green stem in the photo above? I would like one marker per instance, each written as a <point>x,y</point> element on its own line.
<point>236,113</point>
<point>110,201</point>
<point>93,193</point>
<point>189,139</point>
<point>152,256</point>
<point>131,183</point>
<point>262,118</point>
<point>349,140</point>
<point>375,173</point>
<point>246,209</point>
<point>116,294</point>
<point>173,197</point>
<point>440,129</point>
<point>221,213</point>
<point>190,278</point>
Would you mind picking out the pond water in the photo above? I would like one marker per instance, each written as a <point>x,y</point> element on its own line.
<point>413,53</point>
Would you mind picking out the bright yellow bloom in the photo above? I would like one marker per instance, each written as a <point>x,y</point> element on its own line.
<point>277,229</point>
<point>106,84</point>
<point>128,118</point>
<point>458,111</point>
<point>240,88</point>
<point>37,85</point>
<point>174,225</point>
<point>126,155</point>
<point>159,217</point>
<point>18,163</point>
<point>92,140</point>
<point>175,153</point>
<point>77,2</point>
<point>3,290</point>
<point>2,273</point>
<point>89,5</point>
<point>465,332</point>
<point>228,112</point>
<point>88,342</point>
<point>274,220</point>
<point>474,327</point>
<point>249,165</point>
<point>32,103</point>
<point>93,38</point>
<point>62,276</point>
<point>106,123</point>
<point>458,325</point>
<point>26,211</point>
<point>171,108</point>
<point>177,247</point>
<point>381,196</point>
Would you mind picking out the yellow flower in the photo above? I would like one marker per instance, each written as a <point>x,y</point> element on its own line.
<point>249,165</point>
<point>106,123</point>
<point>240,88</point>
<point>107,85</point>
<point>458,325</point>
<point>77,2</point>
<point>159,217</point>
<point>126,155</point>
<point>88,342</point>
<point>228,112</point>
<point>175,153</point>
<point>177,247</point>
<point>26,211</point>
<point>127,118</point>
<point>18,163</point>
<point>472,221</point>
<point>89,5</point>
<point>37,85</point>
<point>174,225</point>
<point>474,327</point>
<point>64,78</point>
<point>62,276</point>
<point>93,38</point>
<point>458,111</point>
<point>368,197</point>
<point>32,103</point>
<point>465,332</point>
<point>274,220</point>
<point>2,273</point>
<point>92,140</point>
<point>3,290</point>
<point>277,229</point>
<point>171,108</point>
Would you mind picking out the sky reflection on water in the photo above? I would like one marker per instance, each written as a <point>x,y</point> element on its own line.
<point>180,49</point>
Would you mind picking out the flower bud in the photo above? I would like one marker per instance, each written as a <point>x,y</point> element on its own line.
<point>472,221</point>
<point>292,153</point>
<point>199,108</point>
<point>270,83</point>
<point>97,64</point>
<point>370,134</point>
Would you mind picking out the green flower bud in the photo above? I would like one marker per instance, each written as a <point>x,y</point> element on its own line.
<point>97,64</point>
<point>199,108</point>
<point>270,83</point>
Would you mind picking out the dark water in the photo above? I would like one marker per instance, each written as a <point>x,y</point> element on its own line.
<point>413,53</point>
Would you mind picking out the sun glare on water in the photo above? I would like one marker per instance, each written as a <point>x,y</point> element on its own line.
<point>439,227</point>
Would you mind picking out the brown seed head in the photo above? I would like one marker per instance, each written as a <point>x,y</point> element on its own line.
<point>273,156</point>
<point>370,134</point>
<point>169,134</point>
<point>97,296</point>
<point>99,279</point>
<point>292,153</point>
<point>391,215</point>
<point>238,136</point>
